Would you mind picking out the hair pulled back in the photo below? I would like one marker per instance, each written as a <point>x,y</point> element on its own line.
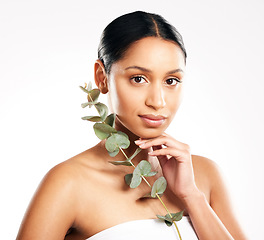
<point>122,32</point>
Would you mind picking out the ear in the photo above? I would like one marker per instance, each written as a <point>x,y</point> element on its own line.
<point>100,76</point>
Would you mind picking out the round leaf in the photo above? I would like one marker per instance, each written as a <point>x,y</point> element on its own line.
<point>135,181</point>
<point>159,186</point>
<point>124,163</point>
<point>102,110</point>
<point>151,174</point>
<point>110,120</point>
<point>177,216</point>
<point>115,141</point>
<point>88,104</point>
<point>111,144</point>
<point>122,133</point>
<point>114,153</point>
<point>92,118</point>
<point>102,130</point>
<point>122,140</point>
<point>84,89</point>
<point>143,168</point>
<point>93,95</point>
<point>128,178</point>
<point>167,219</point>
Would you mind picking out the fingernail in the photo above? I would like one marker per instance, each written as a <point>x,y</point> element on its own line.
<point>137,141</point>
<point>150,153</point>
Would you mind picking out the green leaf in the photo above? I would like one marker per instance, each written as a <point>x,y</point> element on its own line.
<point>159,186</point>
<point>88,104</point>
<point>84,89</point>
<point>170,219</point>
<point>128,178</point>
<point>122,140</point>
<point>110,120</point>
<point>151,174</point>
<point>102,110</point>
<point>92,118</point>
<point>122,133</point>
<point>166,219</point>
<point>177,216</point>
<point>161,217</point>
<point>102,130</point>
<point>125,163</point>
<point>115,141</point>
<point>143,168</point>
<point>148,195</point>
<point>114,153</point>
<point>135,181</point>
<point>111,144</point>
<point>93,95</point>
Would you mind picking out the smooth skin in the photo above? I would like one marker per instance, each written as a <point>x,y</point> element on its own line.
<point>85,194</point>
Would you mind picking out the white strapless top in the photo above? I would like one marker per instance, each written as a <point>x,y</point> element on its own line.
<point>153,229</point>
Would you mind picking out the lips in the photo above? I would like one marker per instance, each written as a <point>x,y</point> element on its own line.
<point>152,120</point>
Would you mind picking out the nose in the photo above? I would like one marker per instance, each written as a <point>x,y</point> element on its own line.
<point>155,97</point>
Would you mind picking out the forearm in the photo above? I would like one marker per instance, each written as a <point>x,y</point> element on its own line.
<point>206,223</point>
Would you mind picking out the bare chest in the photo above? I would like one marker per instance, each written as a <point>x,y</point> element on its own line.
<point>108,201</point>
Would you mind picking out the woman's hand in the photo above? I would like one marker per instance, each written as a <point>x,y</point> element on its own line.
<point>218,221</point>
<point>176,163</point>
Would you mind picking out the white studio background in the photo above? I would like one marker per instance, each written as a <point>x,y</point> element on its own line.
<point>47,50</point>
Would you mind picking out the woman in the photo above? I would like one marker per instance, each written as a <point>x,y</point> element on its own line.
<point>141,66</point>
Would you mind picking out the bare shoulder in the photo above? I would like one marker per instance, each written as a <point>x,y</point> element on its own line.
<point>203,162</point>
<point>54,207</point>
<point>207,173</point>
<point>206,167</point>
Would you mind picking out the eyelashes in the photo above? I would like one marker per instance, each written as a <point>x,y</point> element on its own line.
<point>138,79</point>
<point>173,81</point>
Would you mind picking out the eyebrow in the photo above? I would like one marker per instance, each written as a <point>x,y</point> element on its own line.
<point>147,70</point>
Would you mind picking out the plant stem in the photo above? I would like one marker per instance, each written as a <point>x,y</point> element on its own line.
<point>146,181</point>
<point>177,230</point>
<point>125,155</point>
<point>90,97</point>
<point>163,204</point>
<point>169,215</point>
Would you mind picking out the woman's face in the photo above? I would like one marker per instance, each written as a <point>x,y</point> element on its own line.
<point>144,87</point>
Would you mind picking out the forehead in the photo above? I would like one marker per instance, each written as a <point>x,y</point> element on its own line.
<point>152,53</point>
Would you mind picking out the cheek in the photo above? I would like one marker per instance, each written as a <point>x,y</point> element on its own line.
<point>127,102</point>
<point>174,101</point>
<point>121,98</point>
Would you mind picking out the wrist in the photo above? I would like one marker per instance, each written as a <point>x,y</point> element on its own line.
<point>194,200</point>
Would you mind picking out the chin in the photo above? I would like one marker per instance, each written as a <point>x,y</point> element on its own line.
<point>150,133</point>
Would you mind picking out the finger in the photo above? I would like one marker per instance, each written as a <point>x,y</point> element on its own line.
<point>162,158</point>
<point>162,140</point>
<point>179,155</point>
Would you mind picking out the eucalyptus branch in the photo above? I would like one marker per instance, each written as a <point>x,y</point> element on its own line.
<point>117,141</point>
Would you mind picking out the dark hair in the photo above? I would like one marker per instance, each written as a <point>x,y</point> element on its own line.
<point>129,28</point>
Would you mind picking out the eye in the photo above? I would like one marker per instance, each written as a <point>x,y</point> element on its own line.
<point>173,81</point>
<point>138,79</point>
